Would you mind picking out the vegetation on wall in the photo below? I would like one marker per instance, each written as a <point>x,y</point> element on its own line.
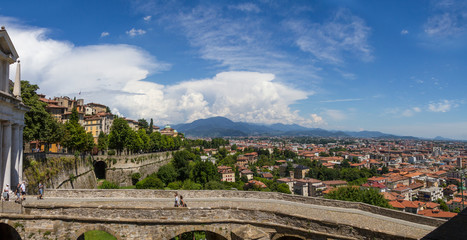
<point>36,171</point>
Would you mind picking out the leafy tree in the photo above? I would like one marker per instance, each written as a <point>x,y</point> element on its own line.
<point>118,135</point>
<point>89,142</point>
<point>107,110</point>
<point>167,173</point>
<point>151,125</point>
<point>181,163</point>
<point>156,138</point>
<point>204,172</point>
<point>190,185</point>
<point>142,123</point>
<point>102,141</point>
<point>175,185</point>
<point>54,131</point>
<point>355,194</point>
<point>134,142</point>
<point>150,182</point>
<point>75,138</point>
<point>214,185</point>
<point>39,124</point>
<point>384,170</point>
<point>442,205</point>
<point>345,163</point>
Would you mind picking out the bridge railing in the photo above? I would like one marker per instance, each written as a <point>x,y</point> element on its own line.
<point>200,194</point>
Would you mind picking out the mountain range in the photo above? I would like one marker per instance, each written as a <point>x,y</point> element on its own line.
<point>224,127</point>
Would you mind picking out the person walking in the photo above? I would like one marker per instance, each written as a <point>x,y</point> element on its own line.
<point>6,193</point>
<point>182,202</point>
<point>23,191</point>
<point>41,190</point>
<point>176,200</point>
<point>18,193</point>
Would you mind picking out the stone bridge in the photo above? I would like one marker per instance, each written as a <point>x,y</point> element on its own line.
<point>231,215</point>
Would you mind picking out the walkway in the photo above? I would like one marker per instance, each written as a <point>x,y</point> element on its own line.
<point>343,216</point>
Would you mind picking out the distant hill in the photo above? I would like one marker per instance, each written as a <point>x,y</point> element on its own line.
<point>224,127</point>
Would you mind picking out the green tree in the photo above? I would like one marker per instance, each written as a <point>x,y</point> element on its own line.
<point>151,126</point>
<point>204,172</point>
<point>167,173</point>
<point>39,124</point>
<point>118,135</point>
<point>54,132</point>
<point>134,142</point>
<point>75,138</point>
<point>156,138</point>
<point>355,194</point>
<point>190,185</point>
<point>102,141</point>
<point>142,123</point>
<point>384,170</point>
<point>150,182</point>
<point>181,163</point>
<point>442,205</point>
<point>145,140</point>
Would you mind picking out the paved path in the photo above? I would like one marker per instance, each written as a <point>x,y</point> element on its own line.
<point>345,216</point>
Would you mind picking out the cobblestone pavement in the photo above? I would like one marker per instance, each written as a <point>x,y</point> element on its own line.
<point>346,216</point>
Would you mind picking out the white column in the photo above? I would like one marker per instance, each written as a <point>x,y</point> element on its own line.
<point>6,153</point>
<point>1,156</point>
<point>20,154</point>
<point>14,154</point>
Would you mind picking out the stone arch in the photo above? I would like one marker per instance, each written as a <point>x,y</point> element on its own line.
<point>97,227</point>
<point>8,232</point>
<point>287,237</point>
<point>211,230</point>
<point>99,169</point>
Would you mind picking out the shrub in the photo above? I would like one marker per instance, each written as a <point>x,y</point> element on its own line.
<point>108,185</point>
<point>214,185</point>
<point>111,152</point>
<point>135,178</point>
<point>151,182</point>
<point>175,185</point>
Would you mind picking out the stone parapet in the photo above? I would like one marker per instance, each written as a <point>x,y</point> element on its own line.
<point>213,194</point>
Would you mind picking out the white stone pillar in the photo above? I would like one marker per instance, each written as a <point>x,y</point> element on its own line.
<point>6,153</point>
<point>14,154</point>
<point>1,156</point>
<point>20,154</point>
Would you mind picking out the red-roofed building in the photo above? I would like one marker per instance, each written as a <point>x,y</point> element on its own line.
<point>437,213</point>
<point>405,206</point>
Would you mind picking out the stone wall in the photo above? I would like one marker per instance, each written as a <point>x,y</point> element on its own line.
<point>120,168</point>
<point>212,194</point>
<point>66,172</point>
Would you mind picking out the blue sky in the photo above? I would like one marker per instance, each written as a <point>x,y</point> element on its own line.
<point>392,66</point>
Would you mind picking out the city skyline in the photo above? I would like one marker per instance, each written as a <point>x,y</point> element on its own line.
<point>391,66</point>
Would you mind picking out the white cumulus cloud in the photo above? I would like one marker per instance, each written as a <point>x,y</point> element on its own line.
<point>103,74</point>
<point>147,18</point>
<point>105,34</point>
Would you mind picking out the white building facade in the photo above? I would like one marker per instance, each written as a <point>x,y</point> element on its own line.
<point>12,111</point>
